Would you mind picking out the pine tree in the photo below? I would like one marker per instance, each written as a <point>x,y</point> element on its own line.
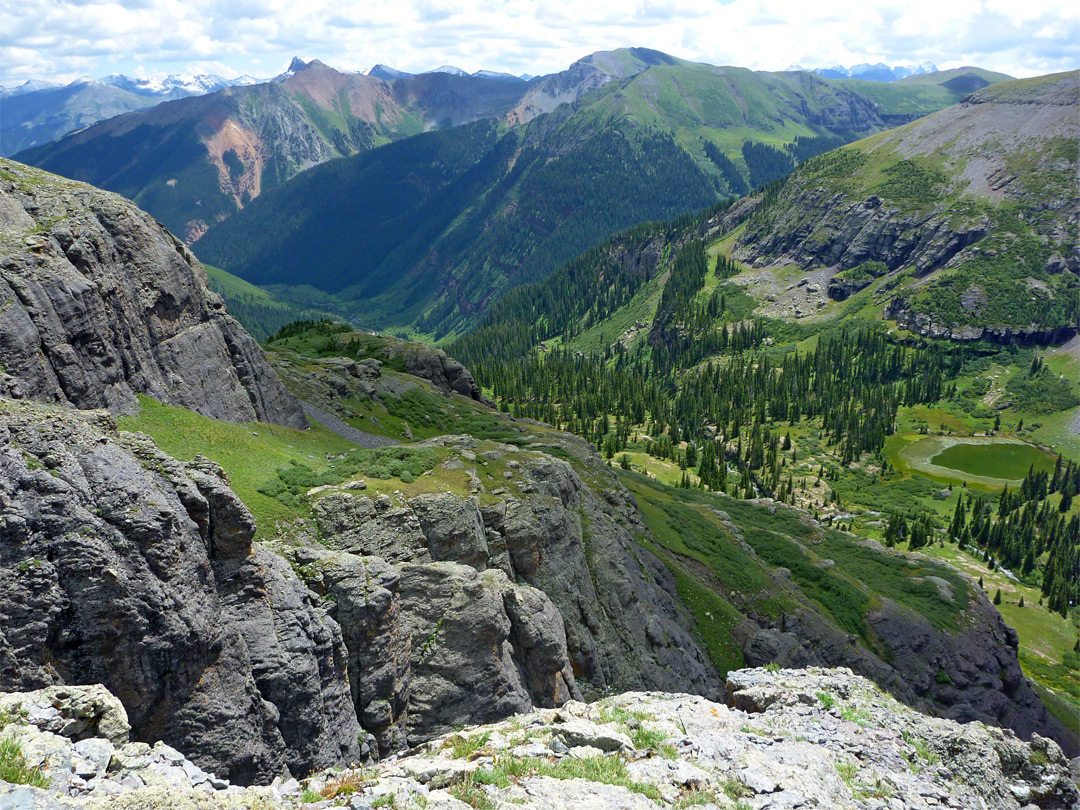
<point>997,597</point>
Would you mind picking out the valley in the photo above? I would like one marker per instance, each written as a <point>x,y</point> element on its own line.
<point>483,201</point>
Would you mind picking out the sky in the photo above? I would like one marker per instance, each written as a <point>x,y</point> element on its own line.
<point>61,41</point>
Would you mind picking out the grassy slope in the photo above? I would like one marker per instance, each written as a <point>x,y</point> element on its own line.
<point>249,453</point>
<point>913,95</point>
<point>701,537</point>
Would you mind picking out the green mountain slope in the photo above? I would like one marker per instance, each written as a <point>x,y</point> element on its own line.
<point>259,311</point>
<point>403,231</point>
<point>763,581</point>
<point>669,138</point>
<point>742,375</point>
<point>961,222</point>
<point>912,96</point>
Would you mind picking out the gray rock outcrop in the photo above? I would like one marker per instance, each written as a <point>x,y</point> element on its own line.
<point>98,303</point>
<point>543,527</point>
<point>434,645</point>
<point>124,567</point>
<point>787,739</point>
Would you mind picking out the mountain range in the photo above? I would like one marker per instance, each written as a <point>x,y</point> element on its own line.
<point>504,206</point>
<point>326,603</point>
<point>37,112</point>
<point>878,72</point>
<point>389,73</point>
<point>740,375</point>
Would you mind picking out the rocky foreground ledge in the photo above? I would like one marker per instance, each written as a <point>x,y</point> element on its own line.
<point>794,738</point>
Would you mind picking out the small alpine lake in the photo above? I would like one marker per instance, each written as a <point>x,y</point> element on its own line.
<point>989,461</point>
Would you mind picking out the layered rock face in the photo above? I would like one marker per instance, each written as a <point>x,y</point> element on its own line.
<point>1004,143</point>
<point>98,303</point>
<point>121,566</point>
<point>499,600</point>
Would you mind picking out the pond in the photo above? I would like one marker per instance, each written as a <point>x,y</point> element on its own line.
<point>994,460</point>
<point>985,462</point>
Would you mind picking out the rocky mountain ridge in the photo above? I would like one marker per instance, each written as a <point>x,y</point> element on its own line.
<point>475,211</point>
<point>112,549</point>
<point>780,739</point>
<point>101,303</point>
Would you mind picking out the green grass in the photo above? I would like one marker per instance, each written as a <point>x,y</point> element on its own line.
<point>695,533</point>
<point>14,768</point>
<point>922,750</point>
<point>642,307</point>
<point>835,595</point>
<point>461,746</point>
<point>290,483</point>
<point>507,769</point>
<point>696,545</point>
<point>249,453</point>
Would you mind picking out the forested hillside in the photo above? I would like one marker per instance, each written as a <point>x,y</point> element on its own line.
<point>655,348</point>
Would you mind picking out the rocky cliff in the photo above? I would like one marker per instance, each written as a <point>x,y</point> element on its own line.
<point>779,739</point>
<point>969,215</point>
<point>491,514</point>
<point>968,674</point>
<point>99,303</point>
<point>514,583</point>
<point>121,566</point>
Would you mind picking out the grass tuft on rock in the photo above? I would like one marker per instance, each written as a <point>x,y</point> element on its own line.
<point>14,767</point>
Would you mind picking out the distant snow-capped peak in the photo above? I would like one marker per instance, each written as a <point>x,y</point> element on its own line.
<point>453,71</point>
<point>878,72</point>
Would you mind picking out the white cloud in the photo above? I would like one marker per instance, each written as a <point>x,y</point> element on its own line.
<point>59,41</point>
